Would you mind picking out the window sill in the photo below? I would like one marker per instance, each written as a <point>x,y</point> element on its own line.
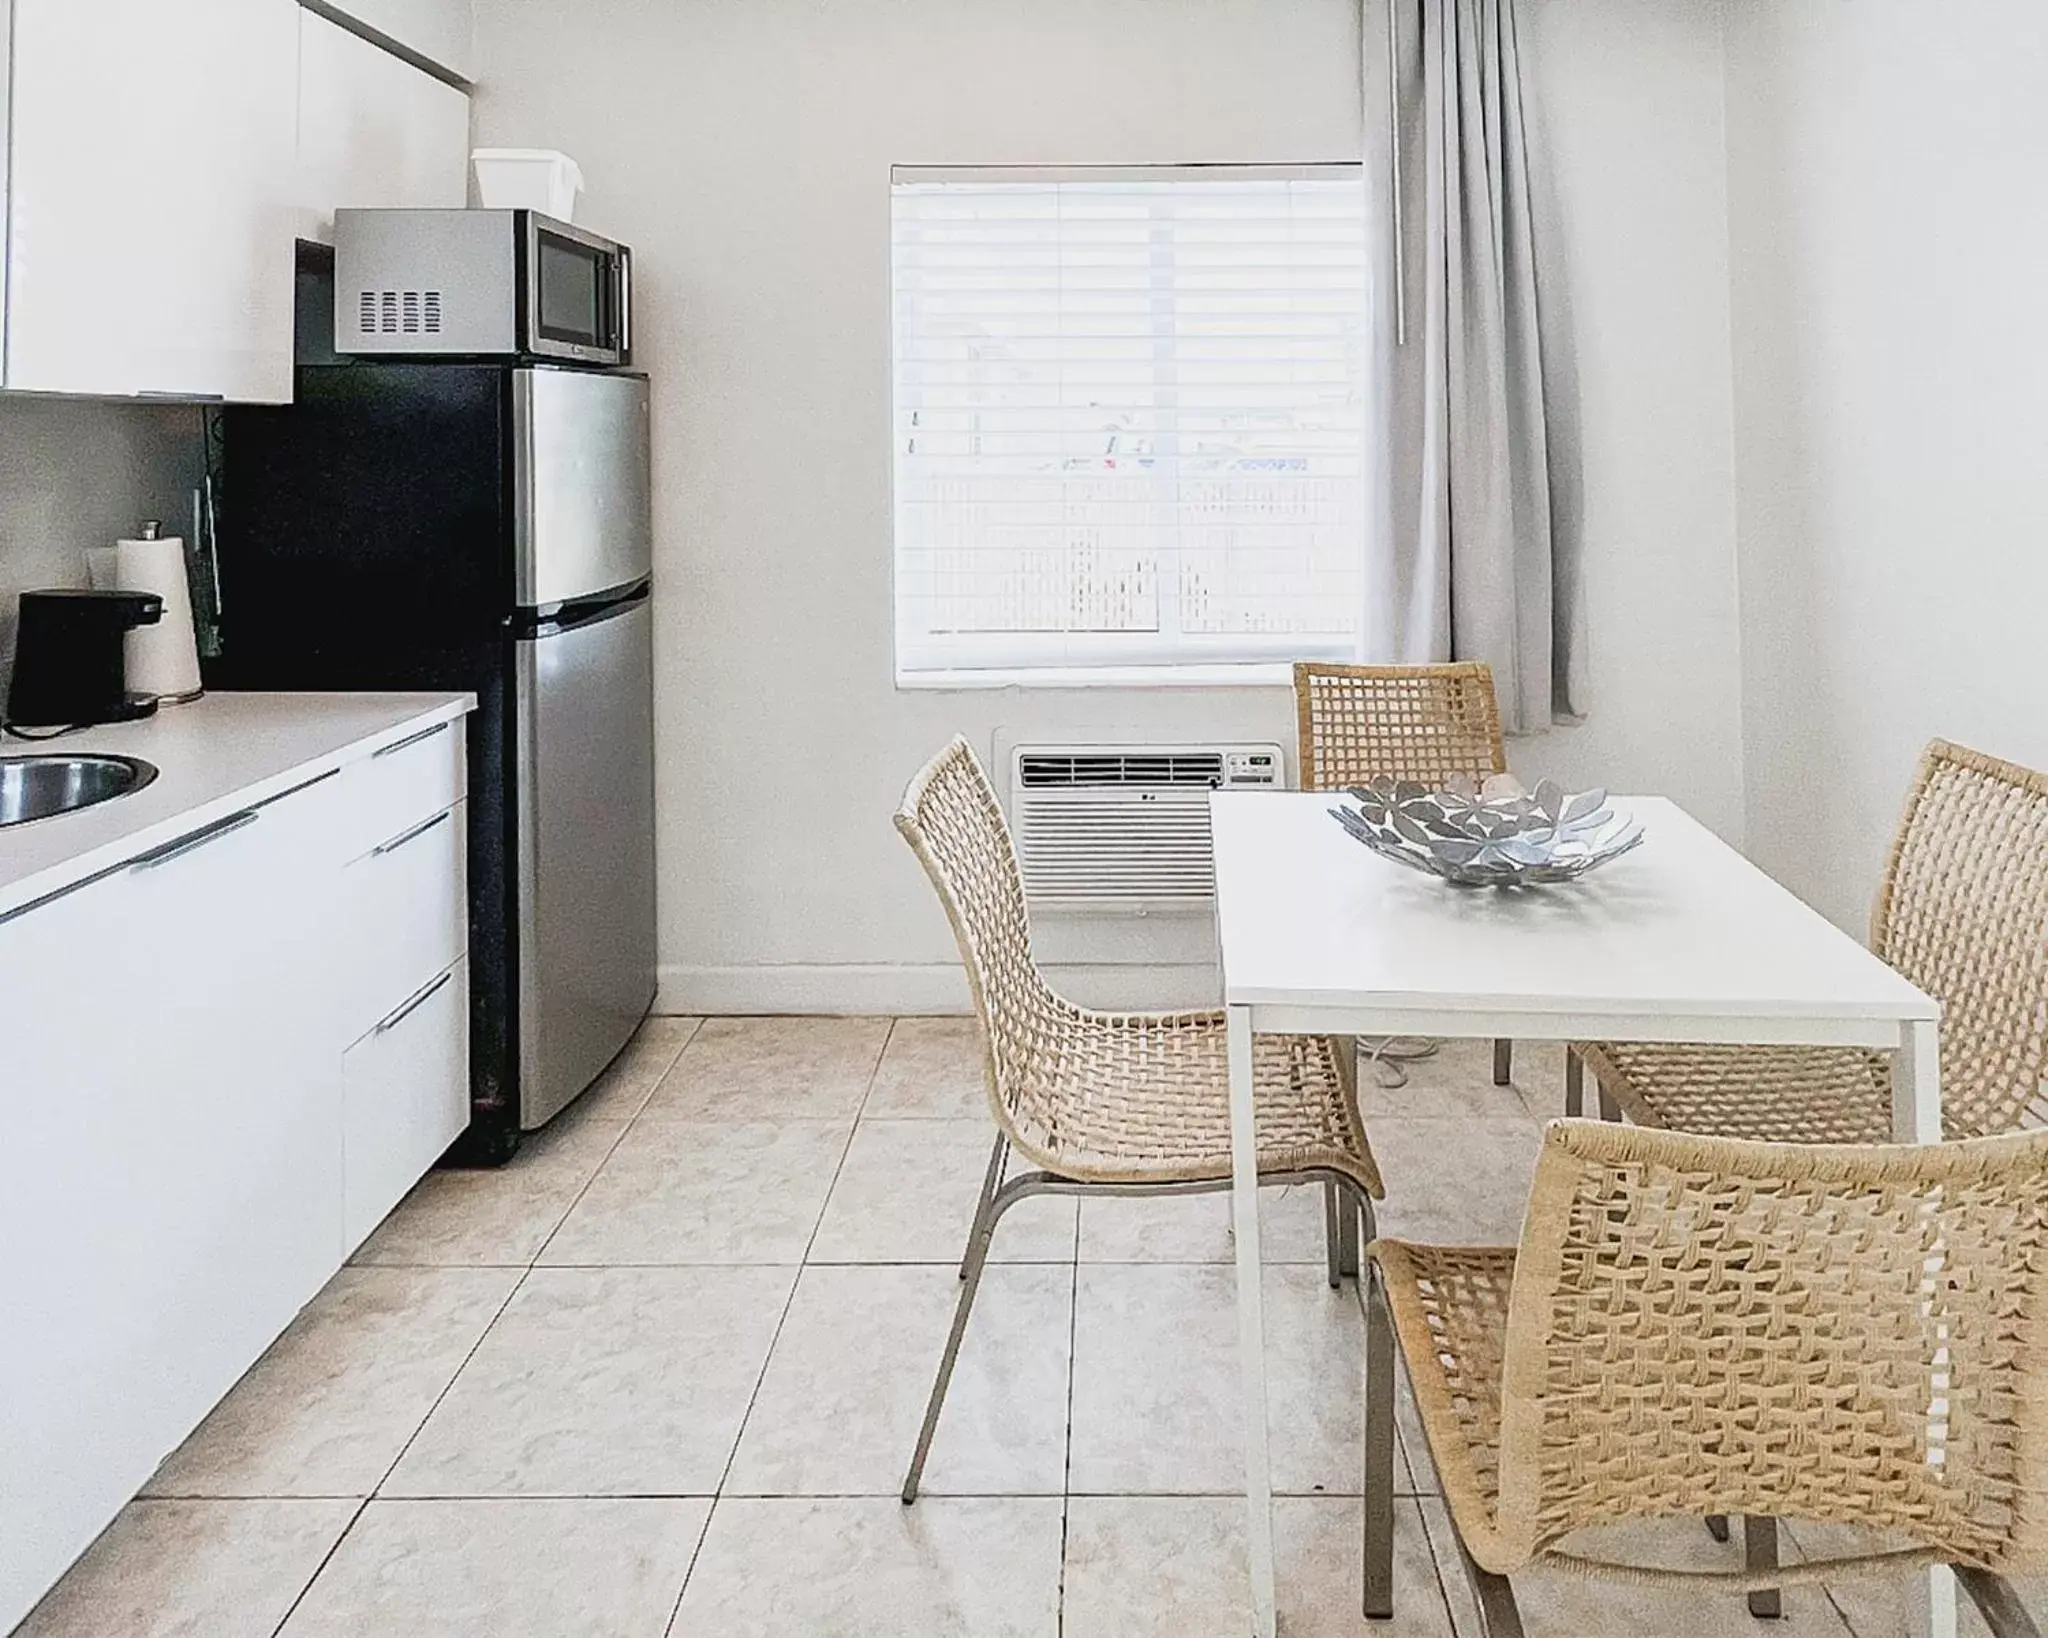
<point>1274,675</point>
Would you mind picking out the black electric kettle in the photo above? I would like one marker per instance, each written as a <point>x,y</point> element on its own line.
<point>69,669</point>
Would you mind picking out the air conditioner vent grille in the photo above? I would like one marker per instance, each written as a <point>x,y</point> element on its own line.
<point>1202,769</point>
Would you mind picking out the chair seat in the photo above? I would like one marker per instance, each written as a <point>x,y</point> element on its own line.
<point>1145,1098</point>
<point>1450,1310</point>
<point>1772,1094</point>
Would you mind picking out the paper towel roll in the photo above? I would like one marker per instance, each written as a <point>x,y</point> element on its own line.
<point>163,659</point>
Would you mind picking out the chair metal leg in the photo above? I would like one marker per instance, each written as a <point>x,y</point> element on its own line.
<point>1574,1084</point>
<point>1717,1526</point>
<point>1503,1062</point>
<point>990,1182</point>
<point>1333,1235</point>
<point>2000,1606</point>
<point>1760,1552</point>
<point>1379,1450</point>
<point>970,1274</point>
<point>1498,1615</point>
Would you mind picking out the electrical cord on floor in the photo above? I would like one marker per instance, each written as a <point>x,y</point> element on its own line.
<point>1391,1054</point>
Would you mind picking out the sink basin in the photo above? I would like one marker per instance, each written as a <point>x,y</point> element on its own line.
<point>35,787</point>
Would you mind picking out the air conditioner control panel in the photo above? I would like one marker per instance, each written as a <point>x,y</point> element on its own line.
<point>1253,768</point>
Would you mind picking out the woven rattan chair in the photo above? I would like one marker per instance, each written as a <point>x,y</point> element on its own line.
<point>1428,723</point>
<point>1963,913</point>
<point>1693,1325</point>
<point>1102,1102</point>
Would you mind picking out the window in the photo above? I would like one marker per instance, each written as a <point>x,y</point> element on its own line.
<point>1130,421</point>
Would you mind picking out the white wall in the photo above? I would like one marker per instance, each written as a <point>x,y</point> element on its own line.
<point>76,473</point>
<point>743,148</point>
<point>1626,114</point>
<point>1886,162</point>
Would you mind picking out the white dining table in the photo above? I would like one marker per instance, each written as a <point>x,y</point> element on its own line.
<point>1682,939</point>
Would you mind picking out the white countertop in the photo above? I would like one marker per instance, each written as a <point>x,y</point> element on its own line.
<point>213,756</point>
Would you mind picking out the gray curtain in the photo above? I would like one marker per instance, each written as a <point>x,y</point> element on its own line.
<point>1479,569</point>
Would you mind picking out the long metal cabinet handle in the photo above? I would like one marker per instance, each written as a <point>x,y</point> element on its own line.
<point>405,836</point>
<point>398,745</point>
<point>197,839</point>
<point>412,1006</point>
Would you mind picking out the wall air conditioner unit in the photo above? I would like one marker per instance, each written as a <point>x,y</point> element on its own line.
<point>1125,827</point>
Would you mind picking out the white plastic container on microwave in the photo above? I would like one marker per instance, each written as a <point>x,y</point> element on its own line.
<point>527,179</point>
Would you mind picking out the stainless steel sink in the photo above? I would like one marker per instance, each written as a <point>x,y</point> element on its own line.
<point>35,787</point>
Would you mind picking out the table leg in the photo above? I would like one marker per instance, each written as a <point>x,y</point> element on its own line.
<point>1916,1118</point>
<point>1916,1083</point>
<point>1251,1323</point>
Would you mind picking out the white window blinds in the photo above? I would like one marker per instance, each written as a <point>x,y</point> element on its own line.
<point>1129,417</point>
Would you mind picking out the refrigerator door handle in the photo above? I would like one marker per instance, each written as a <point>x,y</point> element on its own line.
<point>586,611</point>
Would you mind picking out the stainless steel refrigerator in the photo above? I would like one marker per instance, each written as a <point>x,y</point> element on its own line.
<point>482,526</point>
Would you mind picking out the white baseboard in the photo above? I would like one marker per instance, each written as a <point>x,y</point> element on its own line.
<point>912,990</point>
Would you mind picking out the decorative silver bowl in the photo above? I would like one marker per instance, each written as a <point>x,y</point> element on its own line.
<point>1502,837</point>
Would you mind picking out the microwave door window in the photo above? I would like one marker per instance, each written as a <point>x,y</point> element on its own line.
<point>571,306</point>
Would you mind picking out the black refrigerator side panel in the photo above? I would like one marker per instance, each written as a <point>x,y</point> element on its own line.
<point>364,542</point>
<point>371,513</point>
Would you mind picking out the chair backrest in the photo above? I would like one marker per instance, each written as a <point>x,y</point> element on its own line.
<point>1703,1325</point>
<point>1426,723</point>
<point>951,818</point>
<point>1963,912</point>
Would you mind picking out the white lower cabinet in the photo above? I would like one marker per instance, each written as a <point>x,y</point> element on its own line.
<point>405,1098</point>
<point>201,1124</point>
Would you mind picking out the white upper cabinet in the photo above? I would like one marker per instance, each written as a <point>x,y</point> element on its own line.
<point>150,197</point>
<point>437,31</point>
<point>373,130</point>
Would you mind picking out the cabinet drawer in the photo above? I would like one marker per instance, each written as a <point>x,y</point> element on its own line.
<point>405,1098</point>
<point>404,783</point>
<point>406,911</point>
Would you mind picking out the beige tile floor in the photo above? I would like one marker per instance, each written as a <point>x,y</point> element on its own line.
<point>659,1378</point>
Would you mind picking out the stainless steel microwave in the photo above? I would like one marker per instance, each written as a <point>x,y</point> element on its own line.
<point>479,284</point>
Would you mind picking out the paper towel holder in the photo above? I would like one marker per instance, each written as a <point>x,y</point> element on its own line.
<point>177,618</point>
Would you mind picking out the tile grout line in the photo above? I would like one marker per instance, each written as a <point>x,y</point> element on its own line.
<point>845,1262</point>
<point>447,1387</point>
<point>435,1497</point>
<point>1067,1469</point>
<point>1436,1563</point>
<point>320,1569</point>
<point>1826,1588</point>
<point>604,1160</point>
<point>781,1319</point>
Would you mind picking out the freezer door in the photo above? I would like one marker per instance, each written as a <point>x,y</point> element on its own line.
<point>585,794</point>
<point>581,523</point>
